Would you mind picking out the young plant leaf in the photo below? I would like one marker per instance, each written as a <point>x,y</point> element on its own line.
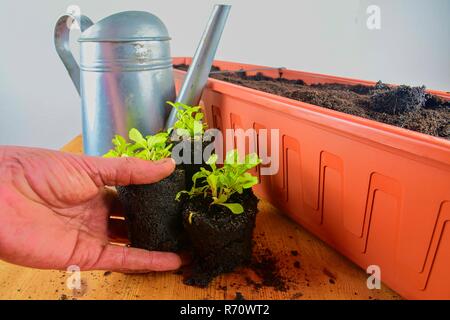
<point>212,161</point>
<point>236,208</point>
<point>221,183</point>
<point>155,147</point>
<point>136,136</point>
<point>189,120</point>
<point>111,154</point>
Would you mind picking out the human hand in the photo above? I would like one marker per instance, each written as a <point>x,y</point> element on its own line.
<point>55,210</point>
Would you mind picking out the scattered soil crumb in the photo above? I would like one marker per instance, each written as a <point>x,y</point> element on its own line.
<point>297,265</point>
<point>82,291</point>
<point>330,274</point>
<point>253,283</point>
<point>239,296</point>
<point>294,253</point>
<point>296,295</point>
<point>265,265</point>
<point>63,297</point>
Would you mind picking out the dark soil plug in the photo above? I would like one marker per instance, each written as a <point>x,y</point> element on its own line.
<point>152,213</point>
<point>221,240</point>
<point>399,100</point>
<point>294,253</point>
<point>297,265</point>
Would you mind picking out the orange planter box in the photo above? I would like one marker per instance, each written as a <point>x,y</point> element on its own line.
<point>378,194</point>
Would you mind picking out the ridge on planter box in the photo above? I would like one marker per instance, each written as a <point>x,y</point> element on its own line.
<point>152,214</point>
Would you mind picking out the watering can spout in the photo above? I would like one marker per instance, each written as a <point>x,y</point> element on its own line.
<point>198,73</point>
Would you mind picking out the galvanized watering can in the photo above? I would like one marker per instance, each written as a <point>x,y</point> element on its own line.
<point>124,78</point>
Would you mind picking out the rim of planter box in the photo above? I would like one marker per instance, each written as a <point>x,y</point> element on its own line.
<point>415,145</point>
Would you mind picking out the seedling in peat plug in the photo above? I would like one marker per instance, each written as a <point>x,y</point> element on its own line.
<point>188,136</point>
<point>152,214</point>
<point>219,216</point>
<point>189,121</point>
<point>221,183</point>
<point>152,148</point>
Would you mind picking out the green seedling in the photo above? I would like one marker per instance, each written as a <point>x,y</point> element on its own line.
<point>153,147</point>
<point>221,183</point>
<point>190,120</point>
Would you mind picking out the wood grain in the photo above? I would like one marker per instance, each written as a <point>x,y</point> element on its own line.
<point>321,272</point>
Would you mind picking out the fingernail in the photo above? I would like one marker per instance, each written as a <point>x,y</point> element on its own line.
<point>164,161</point>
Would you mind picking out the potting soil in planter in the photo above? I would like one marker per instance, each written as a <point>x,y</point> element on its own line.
<point>221,240</point>
<point>153,215</point>
<point>406,107</point>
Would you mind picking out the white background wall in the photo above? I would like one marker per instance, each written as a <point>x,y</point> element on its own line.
<point>40,107</point>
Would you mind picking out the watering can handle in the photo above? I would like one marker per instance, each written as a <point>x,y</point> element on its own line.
<point>62,44</point>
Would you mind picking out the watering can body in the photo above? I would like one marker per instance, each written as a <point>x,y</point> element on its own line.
<point>124,78</point>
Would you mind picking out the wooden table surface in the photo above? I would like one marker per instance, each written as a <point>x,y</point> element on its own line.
<point>321,272</point>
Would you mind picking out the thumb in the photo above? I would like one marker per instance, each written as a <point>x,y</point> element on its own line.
<point>126,259</point>
<point>126,171</point>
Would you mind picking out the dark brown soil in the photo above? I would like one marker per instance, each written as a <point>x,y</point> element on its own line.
<point>239,296</point>
<point>330,274</point>
<point>265,265</point>
<point>153,215</point>
<point>221,240</point>
<point>297,295</point>
<point>406,107</point>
